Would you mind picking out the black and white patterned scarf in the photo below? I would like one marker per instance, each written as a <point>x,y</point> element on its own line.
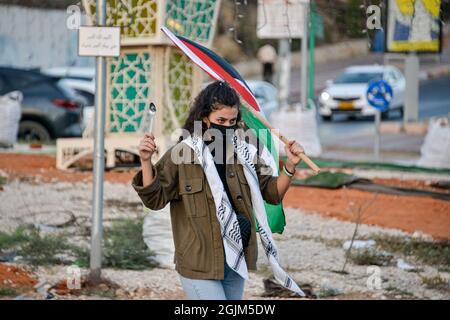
<point>234,253</point>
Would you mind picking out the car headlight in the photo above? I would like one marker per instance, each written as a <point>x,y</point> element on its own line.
<point>325,96</point>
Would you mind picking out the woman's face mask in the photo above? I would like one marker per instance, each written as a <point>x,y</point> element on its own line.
<point>223,129</point>
<point>223,119</point>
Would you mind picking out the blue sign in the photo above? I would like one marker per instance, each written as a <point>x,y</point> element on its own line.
<point>379,94</point>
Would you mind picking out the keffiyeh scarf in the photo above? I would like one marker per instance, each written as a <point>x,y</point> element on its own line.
<point>231,236</point>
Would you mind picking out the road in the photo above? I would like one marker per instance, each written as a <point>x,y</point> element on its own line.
<point>434,99</point>
<point>434,95</point>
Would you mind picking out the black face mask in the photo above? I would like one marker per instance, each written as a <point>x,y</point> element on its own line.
<point>225,130</point>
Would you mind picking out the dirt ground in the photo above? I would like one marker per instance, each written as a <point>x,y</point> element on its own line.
<point>407,213</point>
<point>16,278</point>
<point>43,167</point>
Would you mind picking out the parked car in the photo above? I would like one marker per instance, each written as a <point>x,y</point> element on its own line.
<point>85,89</point>
<point>347,94</point>
<point>50,109</point>
<point>81,80</point>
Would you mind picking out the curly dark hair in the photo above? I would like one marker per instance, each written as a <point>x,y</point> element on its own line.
<point>216,93</point>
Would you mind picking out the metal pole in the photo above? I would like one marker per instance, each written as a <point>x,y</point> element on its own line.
<point>99,157</point>
<point>304,57</point>
<point>284,49</point>
<point>312,44</point>
<point>376,148</point>
<point>411,112</point>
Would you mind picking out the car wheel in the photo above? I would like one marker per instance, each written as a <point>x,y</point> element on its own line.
<point>33,131</point>
<point>327,118</point>
<point>385,115</point>
<point>401,111</point>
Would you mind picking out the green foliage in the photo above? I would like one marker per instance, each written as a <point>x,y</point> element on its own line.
<point>37,249</point>
<point>125,248</point>
<point>430,252</point>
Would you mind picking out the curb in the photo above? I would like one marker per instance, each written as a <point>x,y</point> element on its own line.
<point>412,128</point>
<point>438,72</point>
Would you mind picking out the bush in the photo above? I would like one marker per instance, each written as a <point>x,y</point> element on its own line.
<point>124,246</point>
<point>429,252</point>
<point>26,241</point>
<point>436,282</point>
<point>370,257</point>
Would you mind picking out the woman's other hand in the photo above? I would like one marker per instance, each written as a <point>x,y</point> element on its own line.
<point>293,152</point>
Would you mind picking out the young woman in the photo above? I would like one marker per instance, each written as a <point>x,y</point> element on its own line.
<point>212,188</point>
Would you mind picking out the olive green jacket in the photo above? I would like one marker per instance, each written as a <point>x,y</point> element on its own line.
<point>199,251</point>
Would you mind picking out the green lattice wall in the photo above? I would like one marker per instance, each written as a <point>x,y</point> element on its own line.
<point>137,20</point>
<point>129,91</point>
<point>179,84</point>
<point>191,18</point>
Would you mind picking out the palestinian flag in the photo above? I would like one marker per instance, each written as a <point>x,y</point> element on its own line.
<point>219,69</point>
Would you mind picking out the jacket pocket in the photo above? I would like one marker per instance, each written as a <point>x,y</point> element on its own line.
<point>194,197</point>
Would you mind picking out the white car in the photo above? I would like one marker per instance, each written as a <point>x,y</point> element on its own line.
<point>347,94</point>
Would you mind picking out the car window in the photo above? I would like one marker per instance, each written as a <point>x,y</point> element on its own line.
<point>3,86</point>
<point>358,77</point>
<point>42,88</point>
<point>391,77</point>
<point>22,80</point>
<point>398,74</point>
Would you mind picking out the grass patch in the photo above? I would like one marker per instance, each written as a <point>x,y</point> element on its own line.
<point>37,249</point>
<point>124,246</point>
<point>51,142</point>
<point>394,291</point>
<point>330,163</point>
<point>436,282</point>
<point>435,253</point>
<point>3,181</point>
<point>367,257</point>
<point>120,204</point>
<point>8,292</point>
<point>327,291</point>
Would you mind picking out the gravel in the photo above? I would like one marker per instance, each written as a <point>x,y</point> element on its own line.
<point>310,248</point>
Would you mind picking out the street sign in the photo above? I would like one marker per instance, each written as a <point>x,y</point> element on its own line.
<point>99,41</point>
<point>379,94</point>
<point>414,26</point>
<point>280,19</point>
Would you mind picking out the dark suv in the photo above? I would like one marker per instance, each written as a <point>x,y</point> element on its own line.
<point>50,110</point>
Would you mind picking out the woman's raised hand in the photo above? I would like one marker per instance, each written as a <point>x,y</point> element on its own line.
<point>147,147</point>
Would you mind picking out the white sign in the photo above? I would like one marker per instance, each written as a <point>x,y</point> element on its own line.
<point>280,19</point>
<point>99,41</point>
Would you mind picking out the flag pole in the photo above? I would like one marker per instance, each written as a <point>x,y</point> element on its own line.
<point>282,138</point>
